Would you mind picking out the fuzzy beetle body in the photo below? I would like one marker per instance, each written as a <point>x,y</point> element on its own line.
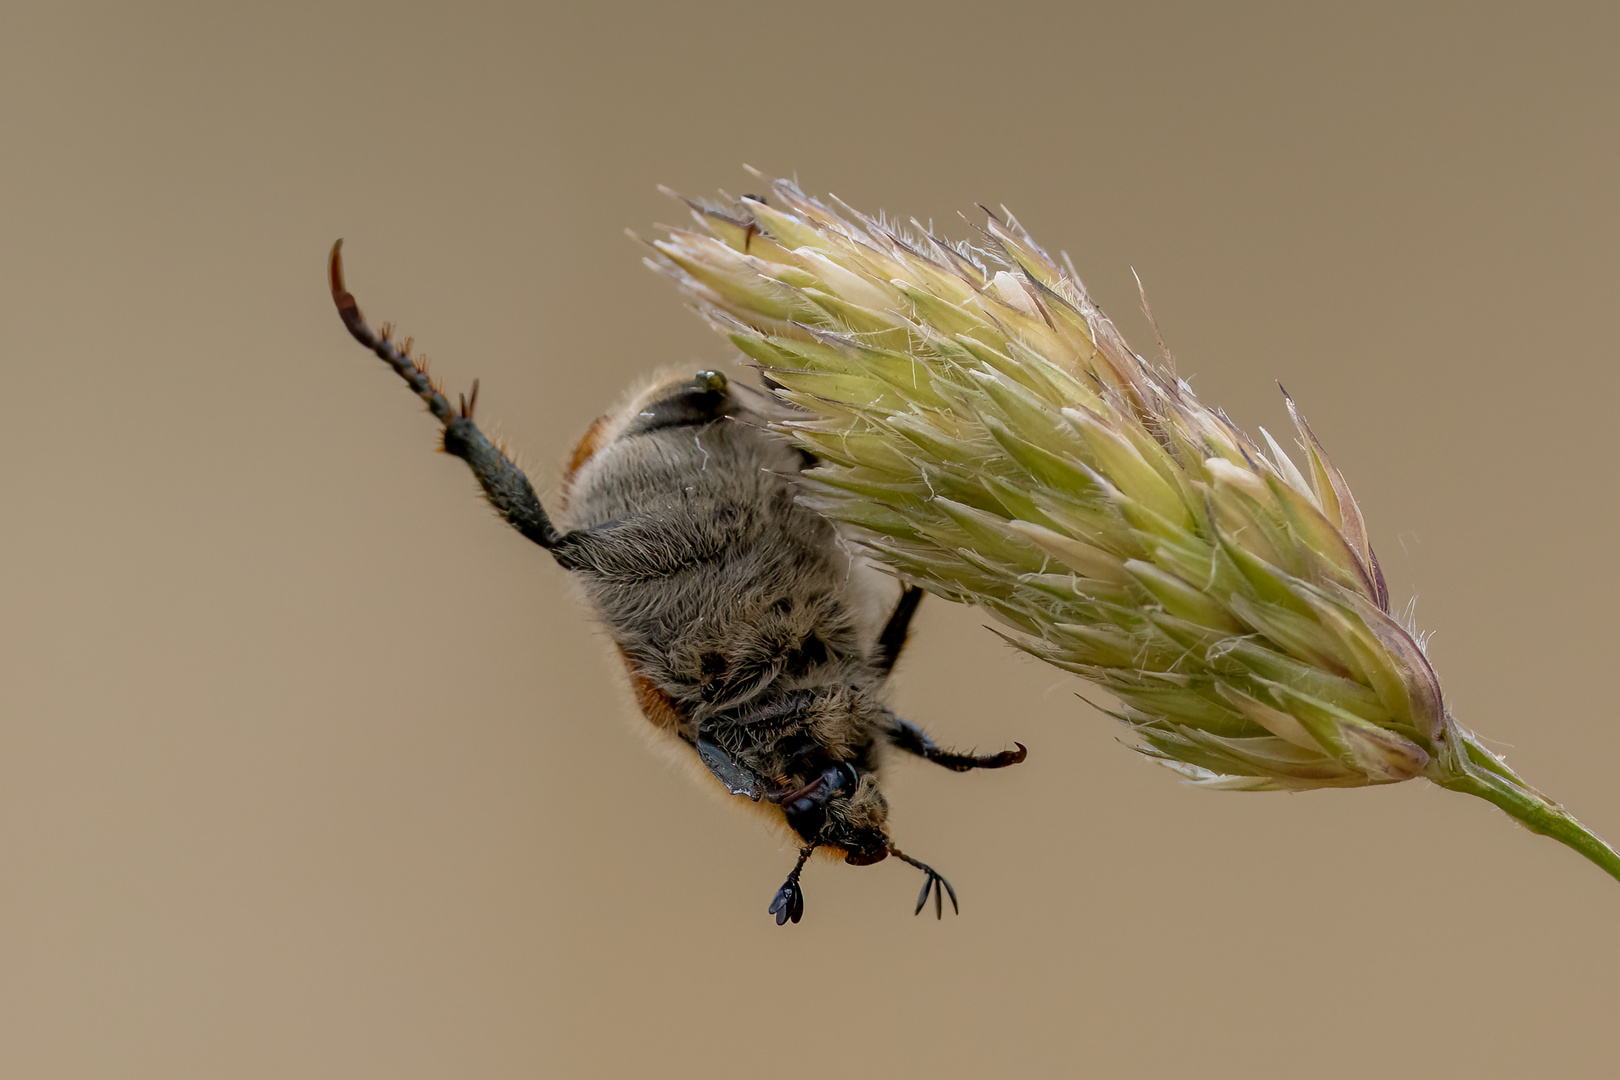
<point>751,631</point>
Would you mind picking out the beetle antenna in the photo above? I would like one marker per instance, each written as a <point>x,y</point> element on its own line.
<point>934,882</point>
<point>789,901</point>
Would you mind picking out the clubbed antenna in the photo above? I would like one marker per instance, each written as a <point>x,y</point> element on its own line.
<point>989,434</point>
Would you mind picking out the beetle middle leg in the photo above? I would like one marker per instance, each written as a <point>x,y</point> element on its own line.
<point>913,739</point>
<point>893,637</point>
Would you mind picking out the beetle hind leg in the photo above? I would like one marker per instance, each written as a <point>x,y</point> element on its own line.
<point>505,485</point>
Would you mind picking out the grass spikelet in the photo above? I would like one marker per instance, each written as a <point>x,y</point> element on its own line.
<point>986,431</point>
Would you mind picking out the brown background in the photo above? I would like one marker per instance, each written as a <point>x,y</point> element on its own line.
<point>308,768</point>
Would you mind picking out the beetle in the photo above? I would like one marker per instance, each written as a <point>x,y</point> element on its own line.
<point>752,631</point>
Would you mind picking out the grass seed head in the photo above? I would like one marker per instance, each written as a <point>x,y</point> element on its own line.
<point>989,435</point>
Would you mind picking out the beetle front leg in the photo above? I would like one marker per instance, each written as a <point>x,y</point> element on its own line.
<point>914,740</point>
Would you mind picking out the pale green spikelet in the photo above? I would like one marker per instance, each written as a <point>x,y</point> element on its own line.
<point>986,431</point>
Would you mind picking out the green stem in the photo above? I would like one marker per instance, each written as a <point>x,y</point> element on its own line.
<point>1481,773</point>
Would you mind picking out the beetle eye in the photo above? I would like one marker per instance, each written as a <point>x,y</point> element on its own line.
<point>839,780</point>
<point>834,780</point>
<point>847,778</point>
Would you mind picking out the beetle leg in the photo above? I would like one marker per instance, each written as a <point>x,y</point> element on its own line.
<point>505,485</point>
<point>913,739</point>
<point>893,637</point>
<point>738,778</point>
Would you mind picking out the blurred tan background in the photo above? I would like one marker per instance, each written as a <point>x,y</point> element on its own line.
<point>309,768</point>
